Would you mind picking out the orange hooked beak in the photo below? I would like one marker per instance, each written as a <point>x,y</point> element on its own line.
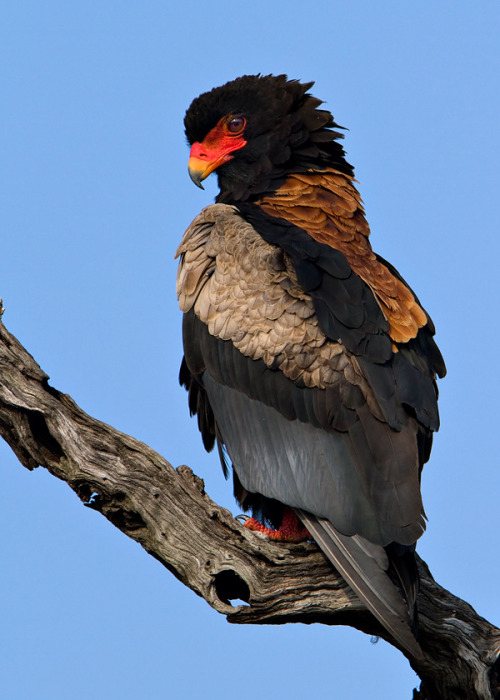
<point>201,164</point>
<point>212,152</point>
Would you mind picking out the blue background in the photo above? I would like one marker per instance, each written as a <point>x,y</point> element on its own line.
<point>94,199</point>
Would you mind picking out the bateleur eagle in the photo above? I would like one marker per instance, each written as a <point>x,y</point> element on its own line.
<point>307,357</point>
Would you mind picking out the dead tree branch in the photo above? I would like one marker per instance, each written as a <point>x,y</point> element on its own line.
<point>169,513</point>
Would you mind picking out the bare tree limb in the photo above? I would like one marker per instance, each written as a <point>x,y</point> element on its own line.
<point>169,513</point>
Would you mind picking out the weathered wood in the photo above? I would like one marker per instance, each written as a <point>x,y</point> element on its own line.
<point>169,513</point>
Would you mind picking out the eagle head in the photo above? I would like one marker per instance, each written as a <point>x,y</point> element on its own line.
<point>255,130</point>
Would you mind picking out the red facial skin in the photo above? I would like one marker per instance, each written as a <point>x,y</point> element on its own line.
<point>216,148</point>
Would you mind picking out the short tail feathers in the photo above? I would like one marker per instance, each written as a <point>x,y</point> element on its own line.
<point>363,566</point>
<point>403,568</point>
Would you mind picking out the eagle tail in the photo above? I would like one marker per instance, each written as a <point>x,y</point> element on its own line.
<point>364,567</point>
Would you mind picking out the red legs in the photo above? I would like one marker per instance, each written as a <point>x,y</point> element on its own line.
<point>290,530</point>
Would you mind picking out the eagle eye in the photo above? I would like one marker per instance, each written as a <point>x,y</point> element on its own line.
<point>235,125</point>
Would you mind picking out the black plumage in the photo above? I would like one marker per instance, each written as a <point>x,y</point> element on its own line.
<point>307,357</point>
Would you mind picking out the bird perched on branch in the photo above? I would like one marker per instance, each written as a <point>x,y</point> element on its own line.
<point>308,358</point>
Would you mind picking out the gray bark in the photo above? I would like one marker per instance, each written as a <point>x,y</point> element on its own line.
<point>168,512</point>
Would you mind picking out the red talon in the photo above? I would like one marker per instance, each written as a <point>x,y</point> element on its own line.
<point>290,530</point>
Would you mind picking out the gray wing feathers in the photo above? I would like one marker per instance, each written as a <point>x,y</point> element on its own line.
<point>309,468</point>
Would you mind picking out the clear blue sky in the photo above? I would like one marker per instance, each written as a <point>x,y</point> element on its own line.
<point>94,199</point>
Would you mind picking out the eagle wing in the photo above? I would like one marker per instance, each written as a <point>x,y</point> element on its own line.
<point>290,364</point>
